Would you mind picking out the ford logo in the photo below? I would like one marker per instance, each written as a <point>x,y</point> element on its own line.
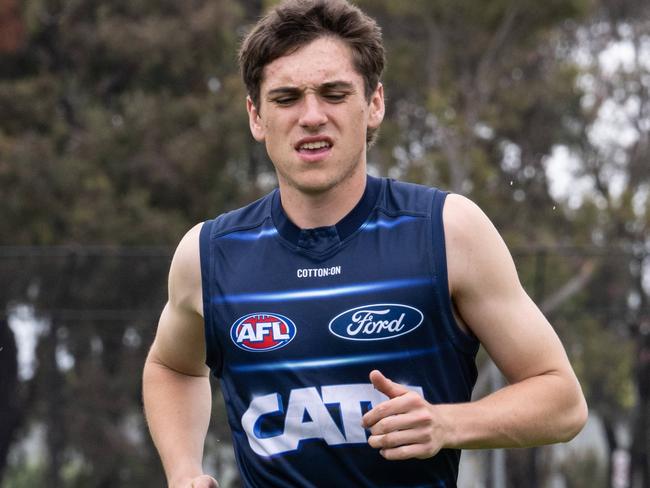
<point>376,322</point>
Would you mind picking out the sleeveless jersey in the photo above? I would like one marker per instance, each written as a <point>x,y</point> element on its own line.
<point>295,320</point>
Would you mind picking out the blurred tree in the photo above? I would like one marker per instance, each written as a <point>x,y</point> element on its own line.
<point>477,98</point>
<point>11,27</point>
<point>613,150</point>
<point>122,123</point>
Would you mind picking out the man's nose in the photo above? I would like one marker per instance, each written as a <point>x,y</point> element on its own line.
<point>313,112</point>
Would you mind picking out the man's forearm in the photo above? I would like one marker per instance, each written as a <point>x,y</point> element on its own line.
<point>539,410</point>
<point>178,408</point>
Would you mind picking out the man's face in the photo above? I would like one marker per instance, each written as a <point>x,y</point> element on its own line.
<point>313,116</point>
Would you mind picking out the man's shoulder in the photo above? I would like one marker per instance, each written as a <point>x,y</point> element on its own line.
<point>247,217</point>
<point>462,215</point>
<point>470,234</point>
<point>403,196</point>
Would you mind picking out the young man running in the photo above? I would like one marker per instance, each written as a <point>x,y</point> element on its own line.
<point>342,313</point>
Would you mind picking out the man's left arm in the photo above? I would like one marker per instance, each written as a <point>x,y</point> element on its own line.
<point>541,404</point>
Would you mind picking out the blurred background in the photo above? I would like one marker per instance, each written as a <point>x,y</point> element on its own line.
<point>122,124</point>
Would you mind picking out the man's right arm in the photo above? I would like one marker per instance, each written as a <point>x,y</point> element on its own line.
<point>176,388</point>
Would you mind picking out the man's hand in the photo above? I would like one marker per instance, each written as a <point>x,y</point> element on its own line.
<point>203,481</point>
<point>406,425</point>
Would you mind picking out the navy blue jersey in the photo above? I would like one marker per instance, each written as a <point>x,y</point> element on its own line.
<point>295,320</point>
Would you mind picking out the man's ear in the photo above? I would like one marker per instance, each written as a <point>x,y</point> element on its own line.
<point>377,107</point>
<point>255,120</point>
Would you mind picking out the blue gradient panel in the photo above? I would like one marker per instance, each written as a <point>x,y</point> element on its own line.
<point>251,236</point>
<point>388,224</point>
<point>293,295</point>
<point>270,232</point>
<point>333,362</point>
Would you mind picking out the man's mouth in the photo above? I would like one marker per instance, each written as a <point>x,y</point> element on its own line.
<point>313,145</point>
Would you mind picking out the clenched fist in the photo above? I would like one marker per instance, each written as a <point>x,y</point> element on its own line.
<point>405,426</point>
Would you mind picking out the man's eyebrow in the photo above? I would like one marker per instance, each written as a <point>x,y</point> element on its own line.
<point>329,85</point>
<point>283,90</point>
<point>337,85</point>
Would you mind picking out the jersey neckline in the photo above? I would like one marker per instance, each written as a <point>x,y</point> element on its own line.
<point>322,239</point>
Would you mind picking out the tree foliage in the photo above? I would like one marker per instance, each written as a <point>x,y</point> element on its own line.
<point>122,124</point>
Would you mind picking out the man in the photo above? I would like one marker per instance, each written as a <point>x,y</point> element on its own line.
<point>342,313</point>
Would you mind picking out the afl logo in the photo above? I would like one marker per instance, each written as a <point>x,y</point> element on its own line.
<point>262,332</point>
<point>376,322</point>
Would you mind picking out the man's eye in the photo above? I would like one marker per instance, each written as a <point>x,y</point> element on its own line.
<point>335,97</point>
<point>285,100</point>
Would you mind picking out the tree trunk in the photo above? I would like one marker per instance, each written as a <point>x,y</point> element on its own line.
<point>52,392</point>
<point>640,465</point>
<point>612,445</point>
<point>9,397</point>
<point>51,381</point>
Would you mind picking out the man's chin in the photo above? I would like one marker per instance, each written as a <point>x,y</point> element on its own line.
<point>314,188</point>
<point>319,181</point>
<point>313,185</point>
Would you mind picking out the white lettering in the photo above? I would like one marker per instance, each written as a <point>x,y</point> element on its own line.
<point>263,329</point>
<point>259,407</point>
<point>318,272</point>
<point>321,426</point>
<point>350,398</point>
<point>247,332</point>
<point>307,417</point>
<point>278,335</point>
<point>364,321</point>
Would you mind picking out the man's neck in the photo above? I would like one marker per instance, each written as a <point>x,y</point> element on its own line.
<point>308,211</point>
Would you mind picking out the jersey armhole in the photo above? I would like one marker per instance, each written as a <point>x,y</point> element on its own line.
<point>465,341</point>
<point>212,349</point>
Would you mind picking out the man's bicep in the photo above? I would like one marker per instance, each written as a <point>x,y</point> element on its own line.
<point>490,299</point>
<point>517,337</point>
<point>179,342</point>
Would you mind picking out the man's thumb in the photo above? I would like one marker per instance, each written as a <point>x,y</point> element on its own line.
<point>386,386</point>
